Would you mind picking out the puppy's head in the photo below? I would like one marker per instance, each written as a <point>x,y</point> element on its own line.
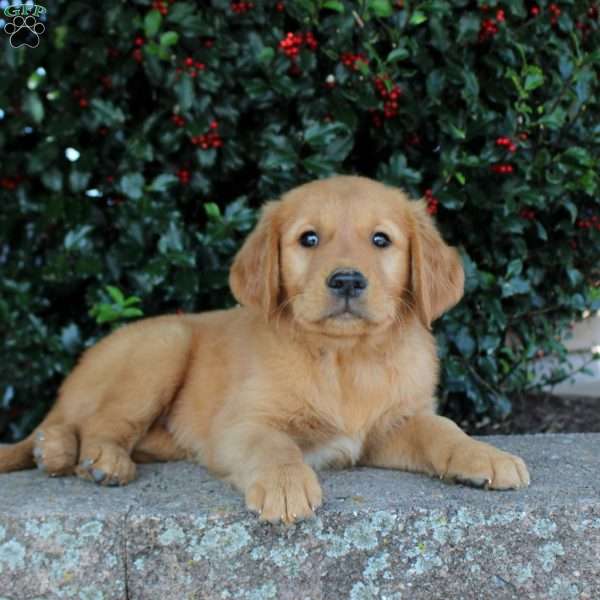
<point>347,256</point>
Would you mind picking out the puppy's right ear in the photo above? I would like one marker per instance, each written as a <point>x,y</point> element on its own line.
<point>254,278</point>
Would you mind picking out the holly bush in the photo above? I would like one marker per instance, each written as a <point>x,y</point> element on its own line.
<point>139,138</point>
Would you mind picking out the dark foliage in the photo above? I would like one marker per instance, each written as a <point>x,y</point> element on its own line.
<point>139,138</point>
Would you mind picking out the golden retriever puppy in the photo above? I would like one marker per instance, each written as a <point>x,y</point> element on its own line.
<point>328,362</point>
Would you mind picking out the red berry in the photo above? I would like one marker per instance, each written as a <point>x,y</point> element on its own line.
<point>189,61</point>
<point>137,55</point>
<point>83,102</point>
<point>500,15</point>
<point>184,176</point>
<point>534,11</point>
<point>280,7</point>
<point>139,41</point>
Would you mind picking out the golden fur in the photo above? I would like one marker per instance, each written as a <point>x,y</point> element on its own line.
<point>261,392</point>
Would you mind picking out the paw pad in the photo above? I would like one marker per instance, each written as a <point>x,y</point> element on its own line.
<point>24,32</point>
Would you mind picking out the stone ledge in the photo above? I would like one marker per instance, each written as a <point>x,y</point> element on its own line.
<point>177,533</point>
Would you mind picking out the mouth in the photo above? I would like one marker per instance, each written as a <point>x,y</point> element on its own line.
<point>345,313</point>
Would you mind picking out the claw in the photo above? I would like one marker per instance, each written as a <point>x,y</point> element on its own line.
<point>98,475</point>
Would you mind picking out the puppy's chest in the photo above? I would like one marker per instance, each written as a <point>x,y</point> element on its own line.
<point>339,451</point>
<point>345,402</point>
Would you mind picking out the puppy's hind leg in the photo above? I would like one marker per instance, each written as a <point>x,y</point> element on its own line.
<point>131,377</point>
<point>109,436</point>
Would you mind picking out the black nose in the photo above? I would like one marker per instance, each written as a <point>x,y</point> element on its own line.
<point>347,284</point>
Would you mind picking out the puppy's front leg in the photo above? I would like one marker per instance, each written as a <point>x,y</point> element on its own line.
<point>268,467</point>
<point>437,446</point>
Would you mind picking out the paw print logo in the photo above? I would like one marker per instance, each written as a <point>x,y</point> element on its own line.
<point>24,31</point>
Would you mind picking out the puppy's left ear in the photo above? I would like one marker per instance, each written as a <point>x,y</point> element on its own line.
<point>437,274</point>
<point>254,277</point>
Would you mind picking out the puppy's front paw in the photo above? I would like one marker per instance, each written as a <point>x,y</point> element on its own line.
<point>284,492</point>
<point>481,465</point>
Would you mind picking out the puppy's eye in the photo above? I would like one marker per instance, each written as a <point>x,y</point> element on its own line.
<point>309,239</point>
<point>381,240</point>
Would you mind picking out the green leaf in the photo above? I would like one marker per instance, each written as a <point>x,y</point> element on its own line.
<point>516,285</point>
<point>212,210</point>
<point>555,120</point>
<point>171,240</point>
<point>397,54</point>
<point>77,239</point>
<point>106,112</point>
<point>418,17</point>
<point>163,182</point>
<point>464,342</point>
<point>575,276</point>
<point>152,22</point>
<point>456,133</point>
<point>381,8</point>
<point>266,55</point>
<point>78,180</point>
<point>33,105</point>
<point>184,89</point>
<point>578,155</point>
<point>132,300</point>
<point>318,166</point>
<point>334,5</point>
<point>53,179</point>
<point>515,267</point>
<point>397,172</point>
<point>534,78</point>
<point>70,338</point>
<point>468,28</point>
<point>180,13</point>
<point>169,38</point>
<point>115,293</point>
<point>132,185</point>
<point>541,231</point>
<point>436,80</point>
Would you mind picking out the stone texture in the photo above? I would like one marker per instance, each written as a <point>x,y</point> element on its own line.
<point>178,533</point>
